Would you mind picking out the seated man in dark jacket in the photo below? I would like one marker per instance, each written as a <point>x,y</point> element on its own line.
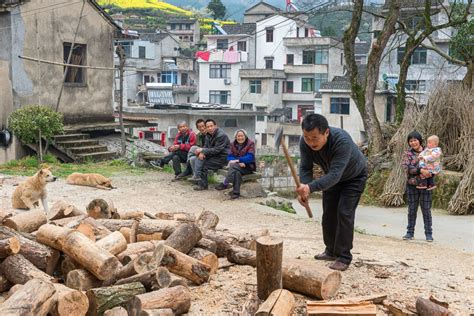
<point>214,154</point>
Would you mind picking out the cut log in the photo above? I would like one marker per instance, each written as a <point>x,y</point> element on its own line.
<point>207,257</point>
<point>207,221</point>
<point>100,208</point>
<point>241,255</point>
<point>249,240</point>
<point>279,303</point>
<point>397,309</point>
<point>69,302</point>
<point>177,216</point>
<point>52,235</point>
<point>67,265</point>
<point>177,281</point>
<point>114,243</point>
<point>92,257</point>
<point>104,298</point>
<point>82,280</point>
<point>177,298</point>
<point>309,278</point>
<point>13,289</point>
<point>157,312</point>
<point>69,222</point>
<point>207,244</point>
<point>62,209</point>
<point>9,246</point>
<point>116,311</point>
<point>137,248</point>
<point>30,299</point>
<point>222,241</point>
<point>373,298</point>
<point>148,279</point>
<point>185,266</point>
<point>251,304</point>
<point>269,262</point>
<point>125,231</point>
<point>87,230</point>
<point>184,238</point>
<point>150,236</point>
<point>131,214</point>
<point>425,307</point>
<point>100,231</point>
<point>28,221</point>
<point>163,278</point>
<point>19,270</point>
<point>147,226</point>
<point>134,232</point>
<point>5,285</point>
<point>330,308</point>
<point>439,302</point>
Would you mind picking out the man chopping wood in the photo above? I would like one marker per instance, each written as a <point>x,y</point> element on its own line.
<point>345,169</point>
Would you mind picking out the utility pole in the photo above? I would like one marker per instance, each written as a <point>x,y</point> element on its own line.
<point>121,55</point>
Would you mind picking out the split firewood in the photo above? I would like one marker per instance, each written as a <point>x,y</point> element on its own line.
<point>148,279</point>
<point>52,235</point>
<point>100,231</point>
<point>325,308</point>
<point>162,278</point>
<point>151,236</point>
<point>137,248</point>
<point>184,238</point>
<point>87,230</point>
<point>396,309</point>
<point>177,298</point>
<point>185,266</point>
<point>62,209</point>
<point>207,244</point>
<point>279,302</point>
<point>251,305</point>
<point>134,232</point>
<point>269,261</point>
<point>28,221</point>
<point>177,281</point>
<point>104,298</point>
<point>82,280</point>
<point>373,298</point>
<point>114,243</point>
<point>157,312</point>
<point>32,299</point>
<point>224,239</point>
<point>146,226</point>
<point>207,221</point>
<point>19,270</point>
<point>207,257</point>
<point>69,302</point>
<point>425,307</point>
<point>125,231</point>
<point>69,222</point>
<point>5,285</point>
<point>177,216</point>
<point>9,246</point>
<point>241,255</point>
<point>116,311</point>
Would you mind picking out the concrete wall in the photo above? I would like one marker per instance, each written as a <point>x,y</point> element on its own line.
<point>42,36</point>
<point>206,84</point>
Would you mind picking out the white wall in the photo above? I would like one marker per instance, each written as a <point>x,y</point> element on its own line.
<point>206,84</point>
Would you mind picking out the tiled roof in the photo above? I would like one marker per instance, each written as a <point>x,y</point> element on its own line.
<point>153,37</point>
<point>180,20</point>
<point>241,28</point>
<point>362,48</point>
<point>338,83</point>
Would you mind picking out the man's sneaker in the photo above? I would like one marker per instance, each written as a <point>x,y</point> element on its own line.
<point>324,256</point>
<point>429,238</point>
<point>220,187</point>
<point>408,236</point>
<point>431,188</point>
<point>157,164</point>
<point>338,265</point>
<point>234,196</point>
<point>199,188</point>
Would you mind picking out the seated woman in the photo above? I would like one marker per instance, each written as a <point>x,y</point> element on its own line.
<point>241,162</point>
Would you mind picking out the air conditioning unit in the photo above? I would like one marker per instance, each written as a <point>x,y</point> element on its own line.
<point>172,132</point>
<point>227,82</point>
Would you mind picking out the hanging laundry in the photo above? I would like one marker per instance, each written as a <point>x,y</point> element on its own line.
<point>231,56</point>
<point>204,55</point>
<point>217,55</point>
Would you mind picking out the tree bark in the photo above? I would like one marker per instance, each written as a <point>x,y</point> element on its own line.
<point>177,298</point>
<point>207,257</point>
<point>310,279</point>
<point>52,235</point>
<point>185,266</point>
<point>148,279</point>
<point>92,257</point>
<point>69,222</point>
<point>131,214</point>
<point>177,281</point>
<point>67,265</point>
<point>241,255</point>
<point>82,280</point>
<point>114,243</point>
<point>176,216</point>
<point>207,244</point>
<point>26,221</point>
<point>62,209</point>
<point>100,231</point>
<point>137,248</point>
<point>29,300</point>
<point>146,226</point>
<point>9,246</point>
<point>207,221</point>
<point>116,311</point>
<point>104,298</point>
<point>279,302</point>
<point>426,307</point>
<point>269,262</point>
<point>5,285</point>
<point>19,270</point>
<point>184,238</point>
<point>69,302</point>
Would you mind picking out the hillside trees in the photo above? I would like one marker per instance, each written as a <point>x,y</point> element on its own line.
<point>217,9</point>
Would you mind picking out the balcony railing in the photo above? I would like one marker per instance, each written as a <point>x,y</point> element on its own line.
<point>185,88</point>
<point>306,41</point>
<point>305,69</point>
<point>262,73</point>
<point>298,96</point>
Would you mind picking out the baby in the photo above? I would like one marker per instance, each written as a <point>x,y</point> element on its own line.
<point>430,159</point>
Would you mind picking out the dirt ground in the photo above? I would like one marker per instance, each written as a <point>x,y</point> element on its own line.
<point>399,269</point>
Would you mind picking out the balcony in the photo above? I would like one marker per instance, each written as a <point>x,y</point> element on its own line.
<point>306,41</point>
<point>185,89</point>
<point>299,96</point>
<point>262,73</point>
<point>305,69</point>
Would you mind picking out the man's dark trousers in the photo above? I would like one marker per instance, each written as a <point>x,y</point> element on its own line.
<point>211,163</point>
<point>178,157</point>
<point>234,176</point>
<point>339,205</point>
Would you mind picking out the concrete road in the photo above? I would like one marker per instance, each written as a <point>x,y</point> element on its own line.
<point>455,232</point>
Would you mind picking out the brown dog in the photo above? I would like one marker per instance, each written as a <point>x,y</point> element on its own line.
<point>91,180</point>
<point>33,189</point>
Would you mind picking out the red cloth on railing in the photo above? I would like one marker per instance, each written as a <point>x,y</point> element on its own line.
<point>204,55</point>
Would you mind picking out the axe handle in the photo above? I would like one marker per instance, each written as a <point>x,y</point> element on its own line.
<point>294,174</point>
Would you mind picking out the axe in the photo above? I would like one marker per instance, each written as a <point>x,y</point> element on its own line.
<point>279,141</point>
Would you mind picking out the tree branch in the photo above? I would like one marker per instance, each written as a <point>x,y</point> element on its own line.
<point>434,47</point>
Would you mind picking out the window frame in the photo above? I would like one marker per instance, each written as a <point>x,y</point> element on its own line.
<point>308,57</point>
<point>276,87</point>
<point>75,77</point>
<point>219,94</point>
<point>304,84</point>
<point>255,86</point>
<point>292,59</point>
<point>219,71</point>
<point>269,35</point>
<point>340,106</point>
<point>240,44</point>
<point>222,43</point>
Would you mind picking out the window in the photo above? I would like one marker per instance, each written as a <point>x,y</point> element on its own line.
<point>222,43</point>
<point>261,118</point>
<point>188,26</point>
<point>319,79</point>
<point>264,139</point>
<point>288,87</point>
<point>75,75</point>
<point>276,85</point>
<point>415,85</point>
<point>255,86</point>
<point>169,77</point>
<point>142,52</point>
<point>308,57</point>
<point>219,97</point>
<point>191,38</point>
<point>293,140</point>
<point>290,59</point>
<point>268,63</point>
<point>418,56</point>
<point>306,32</point>
<point>230,123</point>
<point>184,79</point>
<point>321,57</point>
<point>247,106</point>
<point>219,71</point>
<point>173,26</point>
<point>242,46</point>
<point>148,78</point>
<point>339,106</point>
<point>307,84</point>
<point>269,35</point>
<point>127,47</point>
<point>390,108</point>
